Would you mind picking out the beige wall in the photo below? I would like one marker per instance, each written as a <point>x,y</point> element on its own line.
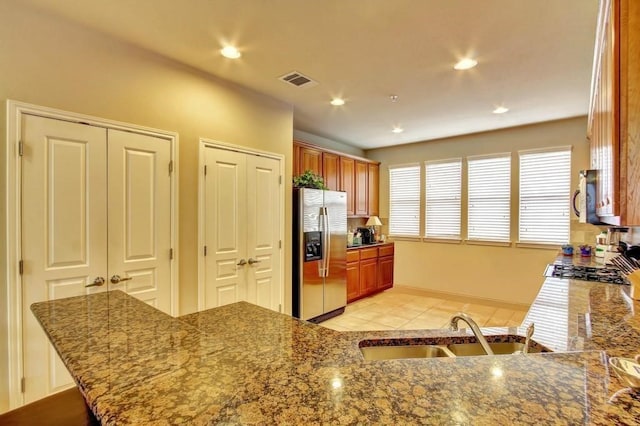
<point>49,62</point>
<point>508,274</point>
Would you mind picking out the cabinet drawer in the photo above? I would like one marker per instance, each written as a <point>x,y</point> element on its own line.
<point>353,256</point>
<point>386,250</point>
<point>369,253</point>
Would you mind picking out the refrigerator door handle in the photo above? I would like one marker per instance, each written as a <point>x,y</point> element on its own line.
<point>327,245</point>
<point>325,248</point>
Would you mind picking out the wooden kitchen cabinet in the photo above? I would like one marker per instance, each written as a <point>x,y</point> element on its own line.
<point>353,274</point>
<point>385,267</point>
<point>373,177</point>
<point>310,159</point>
<point>331,170</point>
<point>369,270</point>
<point>357,176</point>
<point>614,113</point>
<point>361,189</point>
<point>348,183</point>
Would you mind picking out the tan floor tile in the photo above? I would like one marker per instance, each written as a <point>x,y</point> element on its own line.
<point>424,323</point>
<point>395,309</point>
<point>392,321</point>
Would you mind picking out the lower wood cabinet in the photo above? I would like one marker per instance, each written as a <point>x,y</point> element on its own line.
<point>369,270</point>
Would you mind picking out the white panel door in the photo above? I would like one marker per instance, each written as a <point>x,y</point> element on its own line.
<point>139,217</point>
<point>63,233</point>
<point>96,203</point>
<point>242,224</point>
<point>225,228</point>
<point>263,232</point>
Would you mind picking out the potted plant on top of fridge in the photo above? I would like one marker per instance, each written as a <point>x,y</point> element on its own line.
<point>309,180</point>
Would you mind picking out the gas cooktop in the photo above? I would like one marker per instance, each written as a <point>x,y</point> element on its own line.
<point>586,273</point>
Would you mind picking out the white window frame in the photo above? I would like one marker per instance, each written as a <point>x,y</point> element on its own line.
<point>480,221</point>
<point>412,198</point>
<point>544,196</point>
<point>448,215</point>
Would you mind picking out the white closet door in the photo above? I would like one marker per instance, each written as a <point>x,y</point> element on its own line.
<point>64,232</point>
<point>95,203</point>
<point>140,217</point>
<point>225,225</point>
<point>263,232</point>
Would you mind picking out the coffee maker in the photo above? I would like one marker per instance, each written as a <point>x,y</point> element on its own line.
<point>366,235</point>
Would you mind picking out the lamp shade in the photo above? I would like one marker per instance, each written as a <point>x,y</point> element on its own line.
<point>373,221</point>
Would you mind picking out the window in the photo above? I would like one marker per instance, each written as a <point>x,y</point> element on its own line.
<point>489,197</point>
<point>404,201</point>
<point>545,181</point>
<point>443,181</point>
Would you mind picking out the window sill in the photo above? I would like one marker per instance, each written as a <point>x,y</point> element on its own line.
<point>442,240</point>
<point>489,243</point>
<point>543,246</point>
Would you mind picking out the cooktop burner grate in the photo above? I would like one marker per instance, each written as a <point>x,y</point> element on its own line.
<point>588,273</point>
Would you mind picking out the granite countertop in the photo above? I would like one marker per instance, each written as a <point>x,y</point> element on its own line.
<point>242,364</point>
<point>359,246</point>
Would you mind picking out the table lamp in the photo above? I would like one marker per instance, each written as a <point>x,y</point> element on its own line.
<point>372,223</point>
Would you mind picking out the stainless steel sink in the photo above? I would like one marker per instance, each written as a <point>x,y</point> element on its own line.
<point>498,348</point>
<point>440,348</point>
<point>408,351</point>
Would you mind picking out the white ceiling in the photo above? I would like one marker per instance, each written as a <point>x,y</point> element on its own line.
<point>534,57</point>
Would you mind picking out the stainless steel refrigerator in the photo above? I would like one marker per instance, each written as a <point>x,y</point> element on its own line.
<point>319,253</point>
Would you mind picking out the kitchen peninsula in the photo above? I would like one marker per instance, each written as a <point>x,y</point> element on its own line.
<point>242,364</point>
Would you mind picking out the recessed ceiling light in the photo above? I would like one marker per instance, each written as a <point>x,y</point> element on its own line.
<point>337,101</point>
<point>465,64</point>
<point>230,52</point>
<point>397,129</point>
<point>500,110</point>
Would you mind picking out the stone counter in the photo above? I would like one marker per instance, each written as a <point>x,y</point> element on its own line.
<point>242,364</point>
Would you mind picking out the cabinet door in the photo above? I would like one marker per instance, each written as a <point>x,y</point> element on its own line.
<point>374,185</point>
<point>362,191</point>
<point>347,182</point>
<point>353,281</point>
<point>330,170</point>
<point>310,159</point>
<point>368,276</point>
<point>297,164</point>
<point>385,276</point>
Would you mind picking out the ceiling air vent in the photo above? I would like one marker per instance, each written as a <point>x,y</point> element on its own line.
<point>298,79</point>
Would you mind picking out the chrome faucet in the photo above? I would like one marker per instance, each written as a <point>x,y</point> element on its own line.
<point>474,327</point>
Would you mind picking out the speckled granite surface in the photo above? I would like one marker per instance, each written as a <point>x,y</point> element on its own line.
<point>241,364</point>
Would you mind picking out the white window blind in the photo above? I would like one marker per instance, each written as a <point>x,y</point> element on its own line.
<point>404,201</point>
<point>443,182</point>
<point>545,185</point>
<point>489,198</point>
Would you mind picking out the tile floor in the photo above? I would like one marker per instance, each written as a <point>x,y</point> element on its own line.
<point>405,309</point>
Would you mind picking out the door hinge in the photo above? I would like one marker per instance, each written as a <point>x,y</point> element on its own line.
<point>280,179</point>
<point>21,266</point>
<point>20,149</point>
<point>22,385</point>
<point>170,166</point>
<point>205,250</point>
<point>171,254</point>
<point>280,308</point>
<point>205,170</point>
<point>280,244</point>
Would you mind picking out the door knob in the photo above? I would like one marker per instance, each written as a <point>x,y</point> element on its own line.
<point>242,262</point>
<point>116,279</point>
<point>96,283</point>
<point>252,261</point>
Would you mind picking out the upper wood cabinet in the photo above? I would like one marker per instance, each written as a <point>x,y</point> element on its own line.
<point>309,159</point>
<point>357,176</point>
<point>374,189</point>
<point>331,170</point>
<point>348,183</point>
<point>614,113</point>
<point>362,189</point>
